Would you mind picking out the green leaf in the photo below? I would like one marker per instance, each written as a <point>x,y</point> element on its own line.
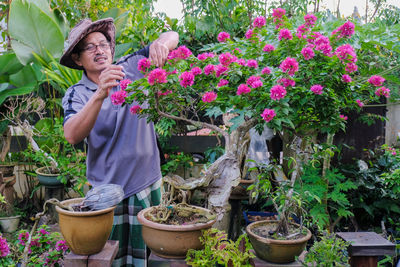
<point>120,17</point>
<point>9,64</point>
<point>4,93</point>
<point>33,29</point>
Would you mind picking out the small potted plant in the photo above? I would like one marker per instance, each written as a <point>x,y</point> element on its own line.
<point>59,163</point>
<point>281,240</point>
<point>9,215</point>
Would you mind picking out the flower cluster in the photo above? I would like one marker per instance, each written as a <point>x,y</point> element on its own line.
<point>5,257</point>
<point>45,249</point>
<point>298,78</point>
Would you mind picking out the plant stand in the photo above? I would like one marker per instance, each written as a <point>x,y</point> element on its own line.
<point>102,259</point>
<point>365,247</point>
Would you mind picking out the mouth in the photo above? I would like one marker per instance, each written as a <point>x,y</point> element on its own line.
<point>100,59</point>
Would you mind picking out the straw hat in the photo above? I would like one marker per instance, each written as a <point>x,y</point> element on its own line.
<point>80,31</point>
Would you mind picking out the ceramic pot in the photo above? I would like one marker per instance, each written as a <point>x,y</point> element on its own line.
<point>87,232</point>
<point>48,180</point>
<point>9,224</point>
<point>171,241</point>
<point>273,250</point>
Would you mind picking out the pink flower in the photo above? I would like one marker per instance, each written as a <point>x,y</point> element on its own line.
<point>118,97</point>
<point>243,89</point>
<point>167,92</point>
<point>241,61</point>
<point>268,48</point>
<point>285,34</point>
<point>222,82</point>
<point>23,237</point>
<point>135,109</point>
<point>394,153</point>
<point>308,53</point>
<point>268,114</point>
<point>223,36</point>
<point>317,89</point>
<point>343,117</point>
<point>266,70</point>
<point>202,56</point>
<point>252,63</point>
<point>286,82</point>
<point>346,53</point>
<point>351,67</point>
<point>209,97</point>
<point>376,80</point>
<point>249,34</point>
<point>254,81</point>
<point>196,71</point>
<point>359,103</point>
<point>186,79</point>
<point>383,91</point>
<point>4,249</point>
<point>289,65</point>
<point>226,59</point>
<point>209,69</point>
<point>346,78</point>
<point>143,65</point>
<point>157,76</point>
<point>346,30</point>
<point>301,30</point>
<point>124,83</point>
<point>310,19</point>
<point>61,245</point>
<point>277,92</point>
<point>220,70</point>
<point>278,13</point>
<point>259,22</point>
<point>181,52</point>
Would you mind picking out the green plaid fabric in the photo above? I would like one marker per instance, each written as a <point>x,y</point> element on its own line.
<point>127,229</point>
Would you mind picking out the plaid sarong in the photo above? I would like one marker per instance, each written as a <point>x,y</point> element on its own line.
<point>127,229</point>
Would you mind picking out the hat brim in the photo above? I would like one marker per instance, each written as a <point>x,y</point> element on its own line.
<point>105,26</point>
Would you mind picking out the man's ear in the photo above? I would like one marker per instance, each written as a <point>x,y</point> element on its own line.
<point>76,59</point>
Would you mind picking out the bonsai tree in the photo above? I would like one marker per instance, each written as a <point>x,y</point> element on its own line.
<point>293,76</point>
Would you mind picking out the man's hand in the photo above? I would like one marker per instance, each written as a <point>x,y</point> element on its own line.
<point>158,53</point>
<point>109,78</point>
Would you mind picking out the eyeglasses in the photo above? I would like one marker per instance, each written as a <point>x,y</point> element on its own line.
<point>92,47</point>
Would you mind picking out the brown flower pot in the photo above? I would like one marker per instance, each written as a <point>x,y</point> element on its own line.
<point>273,250</point>
<point>171,241</point>
<point>86,232</point>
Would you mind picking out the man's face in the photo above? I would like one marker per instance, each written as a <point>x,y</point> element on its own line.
<point>95,53</point>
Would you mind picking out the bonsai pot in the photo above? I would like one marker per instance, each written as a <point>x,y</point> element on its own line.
<point>9,224</point>
<point>85,232</point>
<point>274,250</point>
<point>171,241</point>
<point>48,180</point>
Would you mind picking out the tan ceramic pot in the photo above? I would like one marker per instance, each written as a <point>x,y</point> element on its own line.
<point>276,251</point>
<point>171,241</point>
<point>87,232</point>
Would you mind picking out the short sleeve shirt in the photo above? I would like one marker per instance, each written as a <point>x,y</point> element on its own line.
<point>122,148</point>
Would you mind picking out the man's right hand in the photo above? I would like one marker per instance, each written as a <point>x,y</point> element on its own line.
<point>109,78</point>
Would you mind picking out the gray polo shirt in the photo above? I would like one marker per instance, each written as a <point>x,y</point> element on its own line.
<point>122,149</point>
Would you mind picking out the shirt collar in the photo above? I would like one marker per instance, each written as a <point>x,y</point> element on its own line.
<point>88,83</point>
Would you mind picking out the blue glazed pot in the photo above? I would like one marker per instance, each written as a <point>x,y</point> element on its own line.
<point>48,180</point>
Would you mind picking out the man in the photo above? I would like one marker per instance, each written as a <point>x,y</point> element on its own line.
<point>122,148</point>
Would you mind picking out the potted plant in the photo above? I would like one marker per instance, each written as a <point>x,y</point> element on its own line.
<point>280,240</point>
<point>59,164</point>
<point>171,229</point>
<point>9,215</point>
<point>297,76</point>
